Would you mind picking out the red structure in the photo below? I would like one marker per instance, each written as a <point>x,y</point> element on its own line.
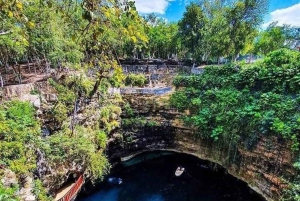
<point>72,193</point>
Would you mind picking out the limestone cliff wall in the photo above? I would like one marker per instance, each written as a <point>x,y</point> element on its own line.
<point>263,166</point>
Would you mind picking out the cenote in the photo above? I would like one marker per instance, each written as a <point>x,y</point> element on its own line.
<point>151,176</point>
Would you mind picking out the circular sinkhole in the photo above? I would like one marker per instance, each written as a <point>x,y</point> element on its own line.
<point>150,176</point>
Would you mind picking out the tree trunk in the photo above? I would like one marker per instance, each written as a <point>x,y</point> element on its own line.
<point>28,66</point>
<point>73,117</point>
<point>1,81</point>
<point>250,58</point>
<point>235,57</point>
<point>6,66</point>
<point>20,73</point>
<point>96,86</point>
<point>117,58</point>
<point>16,74</point>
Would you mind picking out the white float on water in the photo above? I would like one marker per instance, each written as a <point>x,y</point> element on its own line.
<point>179,171</point>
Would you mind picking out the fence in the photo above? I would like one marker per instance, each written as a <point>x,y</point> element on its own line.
<point>197,71</point>
<point>152,91</point>
<point>155,68</point>
<point>72,193</point>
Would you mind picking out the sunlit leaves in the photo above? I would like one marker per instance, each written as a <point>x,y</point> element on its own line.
<point>270,39</point>
<point>18,133</point>
<point>10,14</point>
<point>229,104</point>
<point>212,29</point>
<point>30,25</point>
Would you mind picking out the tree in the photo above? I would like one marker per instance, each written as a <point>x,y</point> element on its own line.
<point>269,40</point>
<point>212,29</point>
<point>243,18</point>
<point>162,37</point>
<point>292,35</point>
<point>216,31</point>
<point>85,36</point>
<point>191,27</point>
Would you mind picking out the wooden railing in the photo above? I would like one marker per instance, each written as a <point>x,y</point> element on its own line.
<point>74,190</point>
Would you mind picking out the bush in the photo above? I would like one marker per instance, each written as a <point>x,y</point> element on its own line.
<point>137,122</point>
<point>280,57</point>
<point>238,105</point>
<point>40,191</point>
<point>7,194</point>
<point>138,80</point>
<point>82,148</point>
<point>129,112</point>
<point>19,132</point>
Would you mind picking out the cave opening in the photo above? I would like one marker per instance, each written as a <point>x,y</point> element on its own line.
<point>150,176</point>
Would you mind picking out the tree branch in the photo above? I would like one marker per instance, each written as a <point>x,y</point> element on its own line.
<point>4,33</point>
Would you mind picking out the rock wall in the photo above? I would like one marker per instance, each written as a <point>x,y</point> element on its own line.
<point>263,167</point>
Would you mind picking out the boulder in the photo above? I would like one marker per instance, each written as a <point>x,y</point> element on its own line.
<point>9,178</point>
<point>33,99</point>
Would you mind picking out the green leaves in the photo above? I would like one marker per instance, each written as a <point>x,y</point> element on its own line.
<point>82,148</point>
<point>7,194</point>
<point>191,27</point>
<point>179,100</point>
<point>231,104</point>
<point>215,29</point>
<point>136,80</point>
<point>216,132</point>
<point>19,131</point>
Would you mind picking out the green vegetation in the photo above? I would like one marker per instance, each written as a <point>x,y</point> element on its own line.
<point>40,191</point>
<point>235,105</point>
<point>240,104</point>
<point>138,80</point>
<point>20,137</point>
<point>85,35</point>
<point>19,134</point>
<point>7,194</point>
<point>71,143</point>
<point>163,38</point>
<point>229,105</point>
<point>137,122</point>
<point>275,37</point>
<point>84,148</point>
<point>214,29</point>
<point>75,142</point>
<point>129,112</point>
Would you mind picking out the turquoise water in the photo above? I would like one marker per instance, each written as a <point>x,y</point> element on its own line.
<point>154,180</point>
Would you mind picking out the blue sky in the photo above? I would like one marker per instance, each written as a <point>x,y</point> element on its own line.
<point>283,11</point>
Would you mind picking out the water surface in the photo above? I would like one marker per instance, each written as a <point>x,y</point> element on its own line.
<point>154,180</point>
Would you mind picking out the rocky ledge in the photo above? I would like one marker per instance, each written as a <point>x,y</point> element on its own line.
<point>266,166</point>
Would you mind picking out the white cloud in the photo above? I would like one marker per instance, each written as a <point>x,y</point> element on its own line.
<point>290,15</point>
<point>152,6</point>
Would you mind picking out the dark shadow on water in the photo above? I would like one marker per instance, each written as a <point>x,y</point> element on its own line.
<point>154,180</point>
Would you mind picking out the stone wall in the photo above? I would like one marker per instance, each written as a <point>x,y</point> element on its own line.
<point>163,68</point>
<point>262,167</point>
<point>36,93</point>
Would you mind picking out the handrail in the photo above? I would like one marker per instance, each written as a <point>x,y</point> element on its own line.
<point>73,191</point>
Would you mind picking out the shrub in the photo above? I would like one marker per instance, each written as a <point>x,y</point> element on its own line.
<point>231,104</point>
<point>138,80</point>
<point>19,131</point>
